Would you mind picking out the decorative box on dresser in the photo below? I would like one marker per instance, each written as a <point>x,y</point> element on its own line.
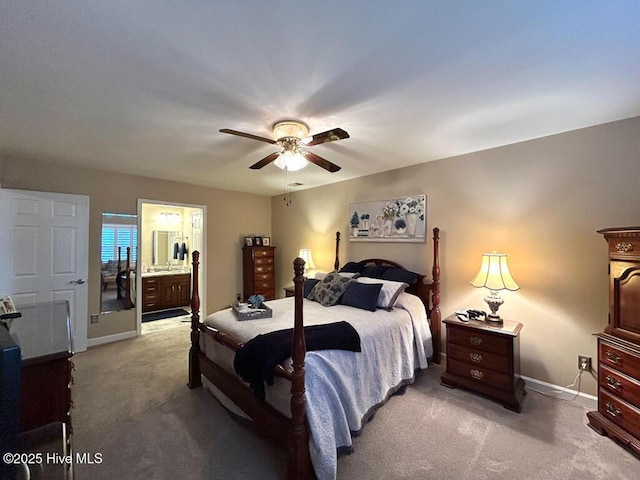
<point>259,272</point>
<point>485,357</point>
<point>618,414</point>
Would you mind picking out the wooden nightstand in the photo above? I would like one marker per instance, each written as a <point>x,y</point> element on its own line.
<point>486,359</point>
<point>289,291</point>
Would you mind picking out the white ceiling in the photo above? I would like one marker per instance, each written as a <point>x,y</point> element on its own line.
<point>143,86</point>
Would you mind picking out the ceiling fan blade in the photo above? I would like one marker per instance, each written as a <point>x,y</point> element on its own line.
<point>321,162</point>
<point>265,161</point>
<point>324,137</point>
<point>247,135</point>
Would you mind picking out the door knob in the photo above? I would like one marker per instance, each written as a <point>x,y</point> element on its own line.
<point>79,281</point>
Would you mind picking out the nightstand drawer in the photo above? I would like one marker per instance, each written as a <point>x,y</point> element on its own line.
<point>498,344</point>
<point>479,374</point>
<point>624,387</point>
<point>619,359</point>
<point>498,363</point>
<point>619,412</point>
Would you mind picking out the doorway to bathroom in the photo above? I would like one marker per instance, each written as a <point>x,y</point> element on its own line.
<point>169,234</point>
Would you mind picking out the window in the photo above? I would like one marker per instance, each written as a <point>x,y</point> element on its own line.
<point>117,235</point>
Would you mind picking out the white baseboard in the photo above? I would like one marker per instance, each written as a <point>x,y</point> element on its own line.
<point>590,402</point>
<point>92,342</point>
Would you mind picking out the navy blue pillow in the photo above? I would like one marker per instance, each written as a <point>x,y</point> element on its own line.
<point>308,285</point>
<point>352,267</point>
<point>375,271</point>
<point>400,275</point>
<point>361,295</point>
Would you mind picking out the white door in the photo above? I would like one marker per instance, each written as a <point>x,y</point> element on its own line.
<point>45,239</point>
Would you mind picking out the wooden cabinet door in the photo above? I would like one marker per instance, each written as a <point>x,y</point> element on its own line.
<point>625,300</point>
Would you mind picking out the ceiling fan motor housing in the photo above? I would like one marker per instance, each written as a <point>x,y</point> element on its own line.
<point>290,129</point>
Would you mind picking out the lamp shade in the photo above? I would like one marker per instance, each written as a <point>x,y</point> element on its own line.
<point>494,273</point>
<point>305,254</point>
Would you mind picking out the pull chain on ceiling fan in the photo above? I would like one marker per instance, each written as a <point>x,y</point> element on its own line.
<point>293,137</point>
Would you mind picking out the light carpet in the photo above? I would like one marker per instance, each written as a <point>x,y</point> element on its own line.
<point>132,405</point>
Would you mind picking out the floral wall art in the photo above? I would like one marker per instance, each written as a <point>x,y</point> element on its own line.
<point>395,220</point>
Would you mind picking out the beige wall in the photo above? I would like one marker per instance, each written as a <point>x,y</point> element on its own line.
<point>540,201</point>
<point>226,222</point>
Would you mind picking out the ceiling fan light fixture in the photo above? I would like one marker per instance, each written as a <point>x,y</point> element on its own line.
<point>292,161</point>
<point>290,129</point>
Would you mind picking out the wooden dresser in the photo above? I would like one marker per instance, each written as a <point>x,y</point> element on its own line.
<point>618,412</point>
<point>485,358</point>
<point>164,291</point>
<point>259,272</point>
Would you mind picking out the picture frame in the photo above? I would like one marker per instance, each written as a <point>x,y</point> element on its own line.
<point>248,241</point>
<point>402,219</point>
<point>7,305</point>
<point>257,241</point>
<point>266,241</point>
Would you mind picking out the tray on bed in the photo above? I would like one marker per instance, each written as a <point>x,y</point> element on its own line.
<point>263,312</point>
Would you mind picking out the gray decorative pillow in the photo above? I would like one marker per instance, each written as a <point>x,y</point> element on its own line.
<point>329,290</point>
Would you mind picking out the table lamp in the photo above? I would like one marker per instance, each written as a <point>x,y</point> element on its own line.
<point>494,274</point>
<point>305,254</point>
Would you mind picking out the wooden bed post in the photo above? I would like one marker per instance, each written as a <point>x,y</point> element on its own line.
<point>298,458</point>
<point>336,264</point>
<point>436,315</point>
<point>194,361</point>
<point>127,282</point>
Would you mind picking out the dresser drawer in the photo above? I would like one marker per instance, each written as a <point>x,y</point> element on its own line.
<point>619,412</point>
<point>624,387</point>
<point>498,363</point>
<point>480,374</point>
<point>263,277</point>
<point>263,285</point>
<point>259,253</point>
<point>263,268</point>
<point>619,359</point>
<point>498,344</point>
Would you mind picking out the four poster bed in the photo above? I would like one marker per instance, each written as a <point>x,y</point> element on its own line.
<point>319,398</point>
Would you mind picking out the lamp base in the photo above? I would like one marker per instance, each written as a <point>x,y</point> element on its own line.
<point>494,301</point>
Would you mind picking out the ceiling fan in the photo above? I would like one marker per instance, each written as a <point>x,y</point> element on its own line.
<point>293,136</point>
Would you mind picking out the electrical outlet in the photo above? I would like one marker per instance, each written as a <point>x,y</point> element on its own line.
<point>584,363</point>
<point>95,318</point>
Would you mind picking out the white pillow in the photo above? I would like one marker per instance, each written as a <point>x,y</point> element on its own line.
<point>389,292</point>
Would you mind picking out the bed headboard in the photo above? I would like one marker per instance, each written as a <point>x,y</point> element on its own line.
<point>429,293</point>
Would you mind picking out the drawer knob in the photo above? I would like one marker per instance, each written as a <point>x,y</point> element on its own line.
<point>612,357</point>
<point>612,409</point>
<point>613,382</point>
<point>475,340</point>
<point>475,357</point>
<point>477,374</point>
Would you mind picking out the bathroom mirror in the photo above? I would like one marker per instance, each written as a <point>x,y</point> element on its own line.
<point>163,247</point>
<point>117,284</point>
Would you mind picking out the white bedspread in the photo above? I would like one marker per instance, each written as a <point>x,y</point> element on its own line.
<point>342,387</point>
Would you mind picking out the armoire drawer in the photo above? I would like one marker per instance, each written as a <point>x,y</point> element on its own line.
<point>619,412</point>
<point>620,385</point>
<point>619,359</point>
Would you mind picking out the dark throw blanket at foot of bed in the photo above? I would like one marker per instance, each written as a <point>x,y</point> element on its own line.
<point>255,361</point>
